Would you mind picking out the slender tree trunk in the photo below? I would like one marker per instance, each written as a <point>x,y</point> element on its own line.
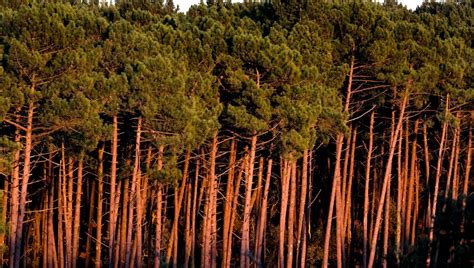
<point>178,199</point>
<point>415,213</point>
<point>213,204</point>
<point>436,187</point>
<point>100,197</point>
<point>3,215</point>
<point>387,175</point>
<point>257,198</point>
<point>64,203</point>
<point>336,179</point>
<point>411,182</point>
<point>366,189</point>
<point>386,226</point>
<point>194,213</point>
<point>113,199</point>
<point>133,199</point>
<point>234,207</point>
<point>24,184</point>
<point>188,238</point>
<point>15,197</point>
<point>285,185</point>
<point>90,225</point>
<point>262,219</point>
<point>69,227</point>
<point>245,244</point>
<point>228,205</point>
<point>427,173</point>
<point>291,215</point>
<point>77,213</point>
<point>449,177</point>
<point>455,190</point>
<point>123,225</point>
<point>159,204</point>
<point>347,213</point>
<point>301,214</point>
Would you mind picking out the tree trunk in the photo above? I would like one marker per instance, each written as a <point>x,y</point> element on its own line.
<point>366,189</point>
<point>291,215</point>
<point>24,184</point>
<point>336,178</point>
<point>100,197</point>
<point>228,204</point>
<point>411,182</point>
<point>427,174</point>
<point>262,219</point>
<point>69,227</point>
<point>285,185</point>
<point>159,203</point>
<point>77,213</point>
<point>178,199</point>
<point>245,244</point>
<point>90,225</point>
<point>133,199</point>
<point>113,181</point>
<point>15,197</point>
<point>387,175</point>
<point>436,187</point>
<point>347,213</point>
<point>194,213</point>
<point>301,215</point>
<point>234,208</point>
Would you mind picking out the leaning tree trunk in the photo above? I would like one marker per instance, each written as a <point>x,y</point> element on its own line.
<point>386,178</point>
<point>263,217</point>
<point>337,178</point>
<point>24,185</point>
<point>228,205</point>
<point>436,187</point>
<point>303,192</point>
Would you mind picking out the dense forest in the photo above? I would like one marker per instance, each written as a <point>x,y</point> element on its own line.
<point>289,133</point>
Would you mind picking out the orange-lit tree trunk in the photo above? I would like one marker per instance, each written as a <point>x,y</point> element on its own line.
<point>24,185</point>
<point>234,207</point>
<point>300,247</point>
<point>178,199</point>
<point>262,219</point>
<point>77,212</point>
<point>113,212</point>
<point>285,185</point>
<point>89,227</point>
<point>411,182</point>
<point>100,196</point>
<point>15,198</point>
<point>386,178</point>
<point>133,200</point>
<point>366,189</point>
<point>228,205</point>
<point>348,199</point>
<point>291,215</point>
<point>159,208</point>
<point>336,183</point>
<point>436,186</point>
<point>245,243</point>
